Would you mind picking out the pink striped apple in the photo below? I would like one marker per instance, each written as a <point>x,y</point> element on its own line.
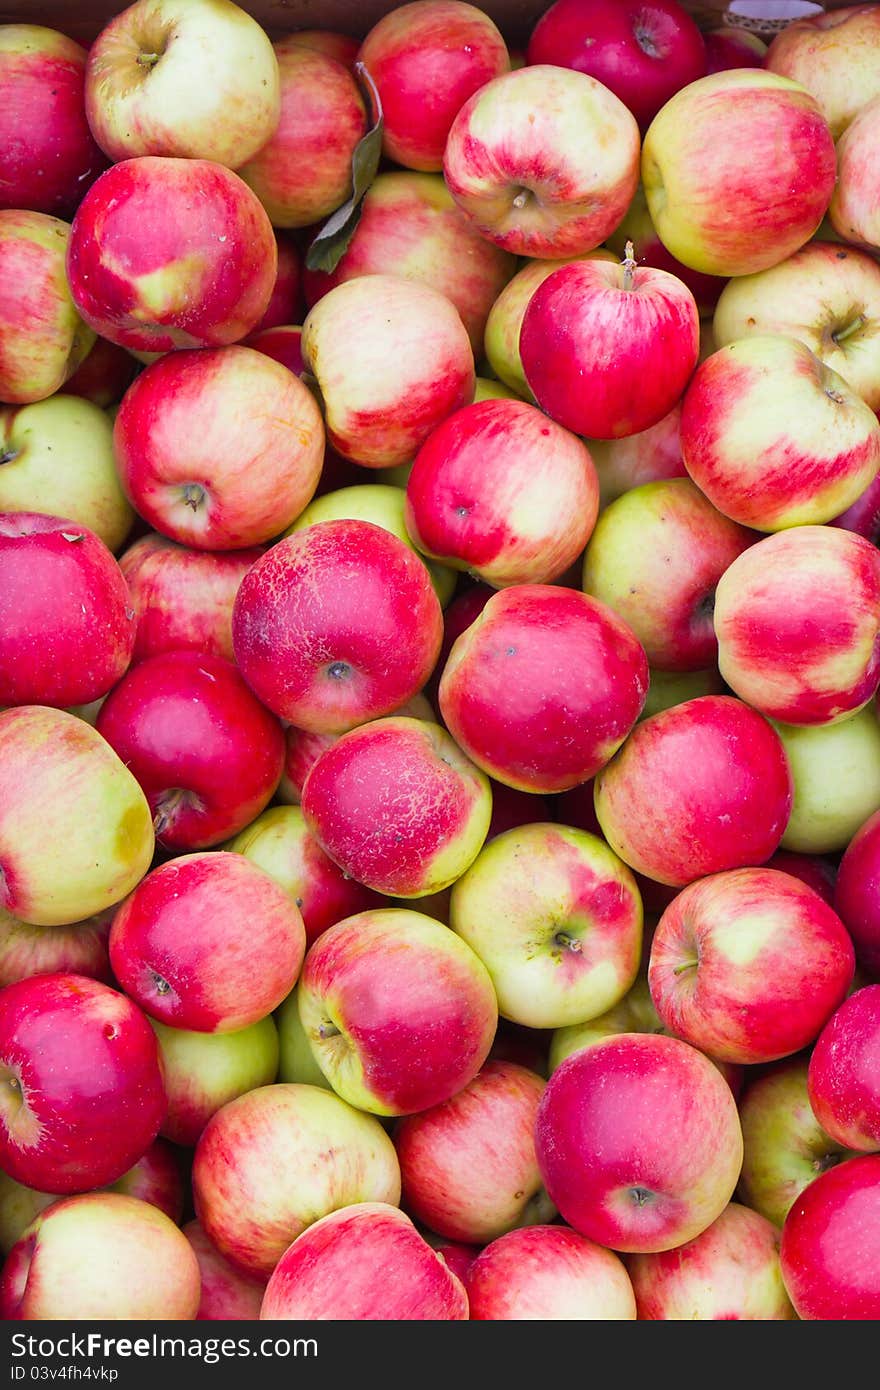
<point>834,55</point>
<point>830,1248</point>
<point>853,210</point>
<point>843,1083</point>
<point>857,893</point>
<point>78,949</point>
<point>226,1292</point>
<point>548,1273</point>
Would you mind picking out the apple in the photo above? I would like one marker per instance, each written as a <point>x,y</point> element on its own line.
<point>637,228</point>
<point>103,376</point>
<point>643,52</point>
<point>828,297</point>
<point>639,1142</point>
<point>282,343</point>
<point>817,873</point>
<point>342,47</point>
<point>87,489</point>
<point>330,1272</point>
<point>853,210</point>
<point>468,1166</point>
<point>716,778</point>
<point>842,1078</point>
<point>191,78</point>
<point>646,457</point>
<point>730,1272</point>
<point>79,949</point>
<point>634,1013</point>
<point>391,358</point>
<point>767,472</point>
<point>166,253</point>
<point>227,1293</point>
<point>548,1273</point>
<point>543,161</point>
<point>730,46</point>
<point>195,930</point>
<point>505,494</point>
<point>863,516</point>
<point>42,337</point>
<point>409,225</point>
<point>219,449</point>
<point>280,843</point>
<point>207,754</point>
<point>312,657</point>
<point>182,597</point>
<point>749,965</point>
<point>302,170</point>
<point>427,59</point>
<point>285,304</point>
<point>280,1157</point>
<point>556,918</point>
<point>831,1245</point>
<point>81,1096</point>
<point>458,1257</point>
<point>543,687</point>
<point>669,688</point>
<point>835,57</point>
<point>203,1071</point>
<point>398,1010</point>
<point>835,772</point>
<point>296,1061</point>
<point>62,786</point>
<point>738,170</point>
<point>100,1256</point>
<point>608,349</point>
<point>655,557</point>
<point>512,808</point>
<point>797,618</point>
<point>857,893</point>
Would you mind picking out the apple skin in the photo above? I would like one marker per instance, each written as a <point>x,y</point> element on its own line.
<point>732,47</point>
<point>670,688</point>
<point>592,329</point>
<point>458,1257</point>
<point>574,682</point>
<point>831,1245</point>
<point>282,343</point>
<point>468,1166</point>
<point>714,773</point>
<point>342,47</point>
<point>203,1071</point>
<point>277,1159</point>
<point>82,1093</point>
<point>100,1256</point>
<point>797,618</point>
<point>835,770</point>
<point>66,627</point>
<point>639,1142</point>
<point>42,337</point>
<point>548,1273</point>
<point>280,843</point>
<point>647,457</point>
<point>784,1146</point>
<point>825,295</point>
<point>219,449</point>
<point>87,489</point>
<point>207,754</point>
<point>239,924</point>
<point>817,873</point>
<point>853,209</point>
<point>426,59</point>
<point>655,557</point>
<point>62,785</point>
<point>705,163</point>
<point>380,405</point>
<point>764,471</point>
<point>103,376</point>
<point>227,1292</point>
<point>329,1273</point>
<point>857,893</point>
<point>556,918</point>
<point>643,53</point>
<point>302,171</point>
<point>202,279</point>
<point>505,494</point>
<point>297,1061</point>
<point>399,1012</point>
<point>749,965</point>
<point>835,56</point>
<point>183,597</point>
<point>638,228</point>
<point>842,1076</point>
<point>308,654</point>
<point>730,1272</point>
<point>863,516</point>
<point>78,949</point>
<point>550,187</point>
<point>409,225</point>
<point>285,305</point>
<point>208,90</point>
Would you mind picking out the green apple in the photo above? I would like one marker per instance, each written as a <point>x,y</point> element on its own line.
<point>668,688</point>
<point>205,1070</point>
<point>297,1061</point>
<point>836,773</point>
<point>635,1013</point>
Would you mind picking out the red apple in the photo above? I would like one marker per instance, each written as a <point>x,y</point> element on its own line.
<point>81,1097</point>
<point>817,873</point>
<point>853,209</point>
<point>543,688</point>
<point>426,59</point>
<point>834,55</point>
<point>458,1257</point>
<point>168,253</point>
<point>309,653</point>
<point>608,349</point>
<point>843,1075</point>
<point>548,1273</point>
<point>285,303</point>
<point>715,777</point>
<point>78,949</point>
<point>66,626</point>
<point>342,47</point>
<point>857,895</point>
<point>103,376</point>
<point>863,516</point>
<point>647,457</point>
<point>643,52</point>
<point>227,1292</point>
<point>831,1245</point>
<point>283,344</point>
<point>730,46</point>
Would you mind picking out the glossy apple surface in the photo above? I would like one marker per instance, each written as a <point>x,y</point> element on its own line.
<point>835,772</point>
<point>548,1273</point>
<point>857,893</point>
<point>831,1245</point>
<point>853,210</point>
<point>843,1084</point>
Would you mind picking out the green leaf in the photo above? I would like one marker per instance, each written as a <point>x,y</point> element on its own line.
<point>331,243</point>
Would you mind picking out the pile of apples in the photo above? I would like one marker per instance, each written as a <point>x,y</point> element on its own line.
<point>439,648</point>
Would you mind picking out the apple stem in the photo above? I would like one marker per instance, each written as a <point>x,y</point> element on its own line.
<point>841,337</point>
<point>193,496</point>
<point>629,265</point>
<point>148,60</point>
<point>521,198</point>
<point>7,456</point>
<point>685,965</point>
<point>569,943</point>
